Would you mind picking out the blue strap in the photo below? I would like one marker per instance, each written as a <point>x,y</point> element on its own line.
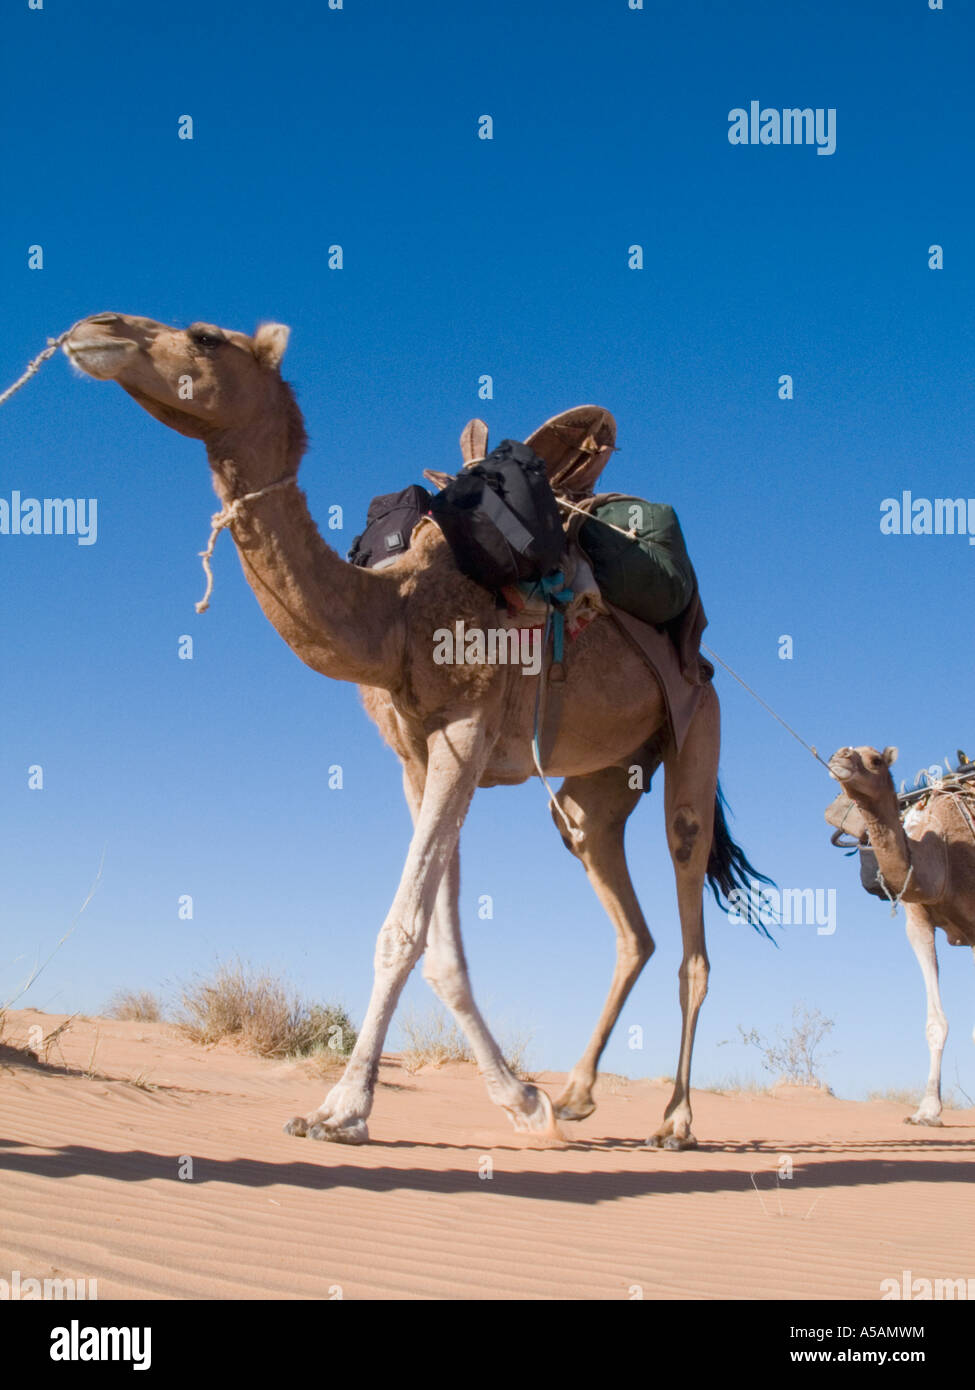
<point>536,750</point>
<point>557,595</point>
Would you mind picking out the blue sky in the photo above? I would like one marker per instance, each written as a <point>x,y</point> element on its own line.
<point>463,257</point>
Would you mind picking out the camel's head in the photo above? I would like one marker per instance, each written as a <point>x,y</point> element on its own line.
<point>201,380</point>
<point>863,772</point>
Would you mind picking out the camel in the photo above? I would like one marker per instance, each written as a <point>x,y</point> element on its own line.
<point>453,727</point>
<point>927,863</point>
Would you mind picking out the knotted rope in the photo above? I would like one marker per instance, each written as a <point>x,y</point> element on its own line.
<point>894,902</point>
<point>220,520</point>
<point>52,346</point>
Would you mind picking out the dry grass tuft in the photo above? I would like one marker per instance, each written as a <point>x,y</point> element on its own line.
<point>912,1097</point>
<point>140,1006</point>
<point>613,1082</point>
<point>433,1038</point>
<point>263,1015</point>
<point>735,1085</point>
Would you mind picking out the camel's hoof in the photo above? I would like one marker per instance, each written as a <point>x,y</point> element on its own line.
<point>540,1119</point>
<point>673,1142</point>
<point>353,1132</point>
<point>934,1121</point>
<point>573,1112</point>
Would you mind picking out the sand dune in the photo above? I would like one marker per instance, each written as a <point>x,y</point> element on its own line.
<point>90,1185</point>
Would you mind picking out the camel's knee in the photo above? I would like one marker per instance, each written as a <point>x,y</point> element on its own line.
<point>684,836</point>
<point>396,947</point>
<point>694,973</point>
<point>936,1032</point>
<point>635,954</point>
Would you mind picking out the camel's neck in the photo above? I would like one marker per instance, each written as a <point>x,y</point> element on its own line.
<point>887,839</point>
<point>340,620</point>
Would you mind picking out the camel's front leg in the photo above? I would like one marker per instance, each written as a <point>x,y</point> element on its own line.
<point>689,798</point>
<point>920,933</point>
<point>456,759</point>
<point>598,807</point>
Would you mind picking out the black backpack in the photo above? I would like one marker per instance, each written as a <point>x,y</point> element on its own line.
<point>389,524</point>
<point>501,519</point>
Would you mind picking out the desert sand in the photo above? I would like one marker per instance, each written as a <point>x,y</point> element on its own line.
<point>92,1144</point>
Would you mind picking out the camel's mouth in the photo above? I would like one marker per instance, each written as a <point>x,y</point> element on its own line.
<point>841,767</point>
<point>102,358</point>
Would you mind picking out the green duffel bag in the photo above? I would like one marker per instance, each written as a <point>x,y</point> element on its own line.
<point>647,571</point>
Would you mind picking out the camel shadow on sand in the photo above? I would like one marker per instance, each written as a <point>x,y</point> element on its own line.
<point>856,1164</point>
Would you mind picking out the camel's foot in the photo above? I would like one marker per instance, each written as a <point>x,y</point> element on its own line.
<point>671,1141</point>
<point>311,1127</point>
<point>674,1133</point>
<point>922,1118</point>
<point>341,1119</point>
<point>534,1114</point>
<point>575,1102</point>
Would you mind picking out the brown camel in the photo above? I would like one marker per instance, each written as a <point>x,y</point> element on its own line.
<point>927,863</point>
<point>454,727</point>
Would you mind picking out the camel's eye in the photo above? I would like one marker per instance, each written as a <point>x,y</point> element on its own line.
<point>206,337</point>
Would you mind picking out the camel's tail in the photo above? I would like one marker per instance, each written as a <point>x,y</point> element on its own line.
<point>728,868</point>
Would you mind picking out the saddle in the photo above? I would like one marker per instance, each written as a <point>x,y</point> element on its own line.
<point>575,447</point>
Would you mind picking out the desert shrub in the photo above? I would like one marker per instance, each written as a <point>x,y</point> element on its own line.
<point>793,1057</point>
<point>141,1006</point>
<point>262,1014</point>
<point>433,1038</point>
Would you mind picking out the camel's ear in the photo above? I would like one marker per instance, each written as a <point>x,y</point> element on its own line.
<point>270,341</point>
<point>889,756</point>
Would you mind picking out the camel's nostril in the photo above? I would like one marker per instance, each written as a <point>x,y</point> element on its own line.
<point>103,318</point>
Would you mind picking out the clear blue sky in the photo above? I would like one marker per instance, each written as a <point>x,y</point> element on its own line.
<point>465,257</point>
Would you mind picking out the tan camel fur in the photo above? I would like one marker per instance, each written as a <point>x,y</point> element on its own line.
<point>929,865</point>
<point>454,727</point>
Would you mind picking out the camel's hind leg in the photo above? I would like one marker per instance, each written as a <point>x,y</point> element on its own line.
<point>691,786</point>
<point>920,933</point>
<point>598,807</point>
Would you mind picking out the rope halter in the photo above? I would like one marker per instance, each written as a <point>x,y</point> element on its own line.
<point>225,518</point>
